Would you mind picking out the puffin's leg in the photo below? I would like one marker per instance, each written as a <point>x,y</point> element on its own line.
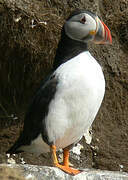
<point>64,167</point>
<point>66,157</point>
<point>54,156</point>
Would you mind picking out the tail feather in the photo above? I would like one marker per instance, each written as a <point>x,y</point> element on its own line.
<point>14,149</point>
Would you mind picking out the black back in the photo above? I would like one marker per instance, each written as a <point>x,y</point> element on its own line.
<point>34,122</point>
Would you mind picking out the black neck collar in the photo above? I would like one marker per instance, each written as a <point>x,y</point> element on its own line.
<point>67,49</point>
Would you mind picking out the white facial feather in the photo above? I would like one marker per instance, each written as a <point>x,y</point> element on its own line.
<point>77,30</point>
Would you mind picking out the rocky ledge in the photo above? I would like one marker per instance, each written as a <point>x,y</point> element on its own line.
<point>33,172</point>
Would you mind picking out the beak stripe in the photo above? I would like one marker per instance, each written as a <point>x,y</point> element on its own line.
<point>107,33</point>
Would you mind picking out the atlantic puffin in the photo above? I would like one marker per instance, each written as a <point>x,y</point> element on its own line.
<point>66,104</point>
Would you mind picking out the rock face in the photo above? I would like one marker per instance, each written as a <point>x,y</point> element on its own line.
<point>50,173</point>
<point>29,33</point>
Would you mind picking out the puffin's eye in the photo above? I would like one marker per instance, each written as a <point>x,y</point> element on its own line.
<point>83,20</point>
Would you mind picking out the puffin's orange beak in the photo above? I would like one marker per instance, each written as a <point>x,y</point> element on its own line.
<point>107,35</point>
<point>103,34</point>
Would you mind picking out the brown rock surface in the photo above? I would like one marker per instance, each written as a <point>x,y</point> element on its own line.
<point>27,50</point>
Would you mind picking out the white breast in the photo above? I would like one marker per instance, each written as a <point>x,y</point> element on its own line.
<point>79,95</point>
<point>78,98</point>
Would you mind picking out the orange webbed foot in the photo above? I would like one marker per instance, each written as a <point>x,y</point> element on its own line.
<point>68,169</point>
<point>65,167</point>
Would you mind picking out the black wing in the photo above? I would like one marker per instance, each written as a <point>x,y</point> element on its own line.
<point>34,122</point>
